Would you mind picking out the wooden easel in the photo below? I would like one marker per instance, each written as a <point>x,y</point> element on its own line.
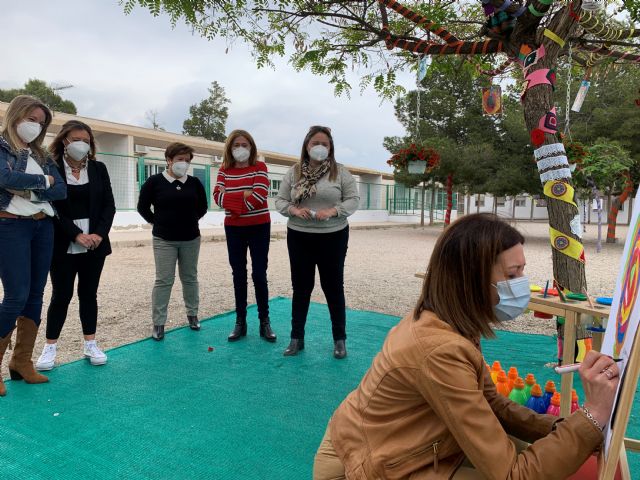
<point>619,444</point>
<point>572,311</point>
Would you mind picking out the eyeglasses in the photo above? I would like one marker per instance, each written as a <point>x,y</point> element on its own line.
<point>313,127</point>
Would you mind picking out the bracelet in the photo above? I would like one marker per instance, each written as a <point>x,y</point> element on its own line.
<point>587,413</point>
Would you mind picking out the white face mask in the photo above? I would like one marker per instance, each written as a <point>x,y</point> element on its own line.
<point>319,153</point>
<point>240,154</point>
<point>28,131</point>
<point>514,298</point>
<point>180,168</point>
<point>78,150</point>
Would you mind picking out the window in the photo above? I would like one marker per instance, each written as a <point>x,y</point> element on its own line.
<point>500,201</point>
<point>541,202</point>
<point>274,187</point>
<point>152,169</point>
<point>479,200</point>
<point>521,201</point>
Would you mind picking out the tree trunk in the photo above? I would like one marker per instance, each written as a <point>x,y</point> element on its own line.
<point>468,204</point>
<point>533,203</point>
<point>422,206</point>
<point>447,217</point>
<point>433,202</point>
<point>513,207</point>
<point>615,208</point>
<point>477,203</point>
<point>567,271</point>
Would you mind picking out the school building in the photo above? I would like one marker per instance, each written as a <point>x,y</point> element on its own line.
<point>133,153</point>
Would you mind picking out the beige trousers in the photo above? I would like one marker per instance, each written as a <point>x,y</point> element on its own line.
<point>327,465</point>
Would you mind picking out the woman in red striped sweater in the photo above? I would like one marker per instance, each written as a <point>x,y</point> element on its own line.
<point>242,189</point>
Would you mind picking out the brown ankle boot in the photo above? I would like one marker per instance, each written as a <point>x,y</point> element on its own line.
<point>4,343</point>
<point>21,366</point>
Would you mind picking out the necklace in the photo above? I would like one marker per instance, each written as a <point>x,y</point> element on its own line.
<point>77,168</point>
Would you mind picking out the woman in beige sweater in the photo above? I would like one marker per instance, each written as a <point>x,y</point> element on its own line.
<point>317,194</point>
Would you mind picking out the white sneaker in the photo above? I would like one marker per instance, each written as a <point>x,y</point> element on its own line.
<point>93,353</point>
<point>47,359</point>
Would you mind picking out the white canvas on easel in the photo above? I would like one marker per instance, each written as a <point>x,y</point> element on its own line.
<point>624,318</point>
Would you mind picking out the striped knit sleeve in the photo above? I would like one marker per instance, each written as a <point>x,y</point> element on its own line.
<point>231,201</point>
<point>218,195</point>
<point>260,190</point>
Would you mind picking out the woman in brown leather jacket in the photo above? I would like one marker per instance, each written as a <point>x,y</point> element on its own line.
<point>427,407</point>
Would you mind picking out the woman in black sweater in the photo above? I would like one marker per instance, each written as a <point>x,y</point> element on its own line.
<point>179,201</point>
<point>81,238</point>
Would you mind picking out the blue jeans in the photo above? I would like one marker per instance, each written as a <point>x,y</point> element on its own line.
<point>256,239</point>
<point>26,247</point>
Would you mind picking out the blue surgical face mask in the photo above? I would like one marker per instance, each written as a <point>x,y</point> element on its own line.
<point>514,298</point>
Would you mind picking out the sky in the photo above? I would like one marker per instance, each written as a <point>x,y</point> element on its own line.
<point>124,66</point>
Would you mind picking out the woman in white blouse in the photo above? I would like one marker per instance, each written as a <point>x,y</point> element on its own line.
<point>29,182</point>
<point>81,239</point>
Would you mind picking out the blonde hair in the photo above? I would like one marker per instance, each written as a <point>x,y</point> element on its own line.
<point>19,109</point>
<point>228,160</point>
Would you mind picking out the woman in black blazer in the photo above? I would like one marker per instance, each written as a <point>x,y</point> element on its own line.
<point>81,238</point>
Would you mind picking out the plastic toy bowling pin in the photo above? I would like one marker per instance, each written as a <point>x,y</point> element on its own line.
<point>518,393</point>
<point>554,407</point>
<point>549,390</point>
<point>575,405</point>
<point>529,382</point>
<point>536,402</point>
<point>495,369</point>
<point>503,384</point>
<point>512,375</point>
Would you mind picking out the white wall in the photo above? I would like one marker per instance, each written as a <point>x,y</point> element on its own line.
<point>131,219</point>
<point>122,169</point>
<point>540,213</point>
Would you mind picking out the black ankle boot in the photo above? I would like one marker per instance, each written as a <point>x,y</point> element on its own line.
<point>240,330</point>
<point>194,323</point>
<point>294,347</point>
<point>339,349</point>
<point>266,332</point>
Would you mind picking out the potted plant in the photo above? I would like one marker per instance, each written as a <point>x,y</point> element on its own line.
<point>415,160</point>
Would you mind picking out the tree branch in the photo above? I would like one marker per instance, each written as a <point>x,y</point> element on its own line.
<point>604,51</point>
<point>460,48</point>
<point>421,21</point>
<point>607,42</point>
<point>592,24</point>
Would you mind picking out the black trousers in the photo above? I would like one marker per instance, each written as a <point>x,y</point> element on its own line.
<point>256,239</point>
<point>64,269</point>
<point>327,251</point>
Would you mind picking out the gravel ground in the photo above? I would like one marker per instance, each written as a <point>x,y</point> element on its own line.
<point>379,276</point>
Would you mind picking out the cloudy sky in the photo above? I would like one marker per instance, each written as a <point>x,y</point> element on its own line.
<point>123,66</point>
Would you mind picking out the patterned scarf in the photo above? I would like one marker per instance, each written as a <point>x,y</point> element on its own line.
<point>306,186</point>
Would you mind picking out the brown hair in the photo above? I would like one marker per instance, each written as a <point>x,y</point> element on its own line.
<point>56,148</point>
<point>304,155</point>
<point>457,287</point>
<point>19,109</point>
<point>228,160</point>
<point>178,148</point>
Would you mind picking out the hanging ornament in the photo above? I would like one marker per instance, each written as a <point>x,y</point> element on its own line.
<point>582,93</point>
<point>492,100</point>
<point>592,5</point>
<point>423,66</point>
